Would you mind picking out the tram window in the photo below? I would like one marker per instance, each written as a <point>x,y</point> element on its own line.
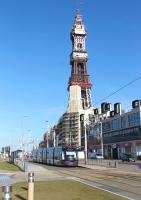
<point>57,155</point>
<point>70,155</point>
<point>63,156</point>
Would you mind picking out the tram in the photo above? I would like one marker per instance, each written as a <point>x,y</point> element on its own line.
<point>59,156</point>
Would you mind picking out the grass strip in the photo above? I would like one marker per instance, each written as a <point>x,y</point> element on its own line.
<point>4,165</point>
<point>61,190</point>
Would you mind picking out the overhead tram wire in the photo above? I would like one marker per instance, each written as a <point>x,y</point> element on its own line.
<point>121,88</point>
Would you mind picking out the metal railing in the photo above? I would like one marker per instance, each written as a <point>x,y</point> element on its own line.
<point>99,162</point>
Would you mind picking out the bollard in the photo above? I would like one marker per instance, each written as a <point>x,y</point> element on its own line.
<point>31,186</point>
<point>7,192</point>
<point>116,164</point>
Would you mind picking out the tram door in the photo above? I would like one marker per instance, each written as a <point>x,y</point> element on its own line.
<point>109,151</point>
<point>115,153</point>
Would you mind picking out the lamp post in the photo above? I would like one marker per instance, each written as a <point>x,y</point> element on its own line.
<point>86,157</point>
<point>57,140</point>
<point>70,138</point>
<point>22,141</point>
<point>30,142</point>
<point>101,138</point>
<point>47,133</point>
<point>84,135</point>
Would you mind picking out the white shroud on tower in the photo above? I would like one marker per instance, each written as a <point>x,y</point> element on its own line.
<point>75,101</point>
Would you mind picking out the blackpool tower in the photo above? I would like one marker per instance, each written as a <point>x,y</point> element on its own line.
<point>70,127</point>
<point>78,60</point>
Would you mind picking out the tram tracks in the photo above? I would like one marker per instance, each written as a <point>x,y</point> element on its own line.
<point>127,183</point>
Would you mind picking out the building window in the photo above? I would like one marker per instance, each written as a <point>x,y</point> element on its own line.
<point>115,124</point>
<point>123,122</point>
<point>134,119</point>
<point>106,126</point>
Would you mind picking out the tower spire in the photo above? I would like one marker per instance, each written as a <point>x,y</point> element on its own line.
<point>78,16</point>
<point>78,11</point>
<point>78,22</point>
<point>79,4</point>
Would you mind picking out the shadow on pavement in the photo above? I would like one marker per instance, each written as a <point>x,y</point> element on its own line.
<point>20,197</point>
<point>24,188</point>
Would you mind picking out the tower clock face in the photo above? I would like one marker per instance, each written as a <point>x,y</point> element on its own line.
<point>80,55</point>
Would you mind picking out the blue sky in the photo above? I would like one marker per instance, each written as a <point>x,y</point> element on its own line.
<point>34,59</point>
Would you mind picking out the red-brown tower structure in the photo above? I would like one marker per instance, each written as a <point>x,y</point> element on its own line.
<point>78,61</point>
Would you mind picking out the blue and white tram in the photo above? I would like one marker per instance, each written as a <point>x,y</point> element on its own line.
<point>60,156</point>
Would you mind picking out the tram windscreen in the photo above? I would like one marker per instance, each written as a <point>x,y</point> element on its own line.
<point>71,155</point>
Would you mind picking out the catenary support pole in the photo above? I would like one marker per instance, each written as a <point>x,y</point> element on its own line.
<point>31,186</point>
<point>7,192</point>
<point>86,158</point>
<point>101,136</point>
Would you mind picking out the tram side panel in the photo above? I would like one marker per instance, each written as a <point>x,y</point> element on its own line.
<point>44,157</point>
<point>50,156</point>
<point>34,155</point>
<point>39,155</point>
<point>58,156</point>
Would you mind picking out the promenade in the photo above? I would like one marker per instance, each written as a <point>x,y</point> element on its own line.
<point>113,165</point>
<point>124,180</point>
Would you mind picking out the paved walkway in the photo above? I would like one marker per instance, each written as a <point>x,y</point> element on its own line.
<point>40,173</point>
<point>134,168</point>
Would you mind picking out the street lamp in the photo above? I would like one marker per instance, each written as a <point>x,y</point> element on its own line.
<point>84,135</point>
<point>85,140</point>
<point>70,138</point>
<point>54,138</point>
<point>30,141</point>
<point>47,133</point>
<point>101,136</point>
<point>86,146</point>
<point>22,141</point>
